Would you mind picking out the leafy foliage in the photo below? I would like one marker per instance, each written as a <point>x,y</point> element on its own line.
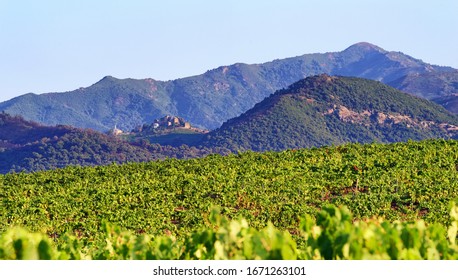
<point>332,236</point>
<point>402,181</point>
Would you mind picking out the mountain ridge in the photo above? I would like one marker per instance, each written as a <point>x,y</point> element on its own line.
<point>209,99</point>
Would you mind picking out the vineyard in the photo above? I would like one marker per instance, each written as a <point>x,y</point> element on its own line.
<point>272,205</point>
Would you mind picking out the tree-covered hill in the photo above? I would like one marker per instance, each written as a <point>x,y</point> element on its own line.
<point>325,110</point>
<point>28,146</point>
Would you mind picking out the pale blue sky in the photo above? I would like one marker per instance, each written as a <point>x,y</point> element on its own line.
<point>59,45</point>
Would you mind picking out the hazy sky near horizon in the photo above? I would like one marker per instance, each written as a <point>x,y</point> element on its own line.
<point>55,45</point>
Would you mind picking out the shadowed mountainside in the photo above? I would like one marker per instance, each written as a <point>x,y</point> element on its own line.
<point>28,146</point>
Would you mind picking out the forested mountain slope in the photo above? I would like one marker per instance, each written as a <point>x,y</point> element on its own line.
<point>327,110</point>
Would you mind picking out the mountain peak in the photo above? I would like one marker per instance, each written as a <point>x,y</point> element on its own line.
<point>107,79</point>
<point>365,46</point>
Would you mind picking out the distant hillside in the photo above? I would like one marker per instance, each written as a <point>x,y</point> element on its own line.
<point>325,110</point>
<point>101,106</point>
<point>441,88</point>
<point>429,85</point>
<point>449,102</point>
<point>28,146</point>
<point>210,99</point>
<point>14,130</point>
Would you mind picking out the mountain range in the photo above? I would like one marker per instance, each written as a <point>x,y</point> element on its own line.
<point>210,99</point>
<point>315,111</point>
